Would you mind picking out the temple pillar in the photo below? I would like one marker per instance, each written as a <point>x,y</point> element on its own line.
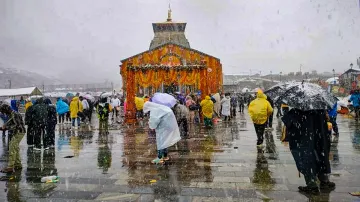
<point>130,116</point>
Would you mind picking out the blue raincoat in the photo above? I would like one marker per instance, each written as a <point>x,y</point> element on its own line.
<point>13,105</point>
<point>355,99</point>
<point>333,112</point>
<point>61,107</point>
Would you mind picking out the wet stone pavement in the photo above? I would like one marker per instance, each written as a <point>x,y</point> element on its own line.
<point>221,164</point>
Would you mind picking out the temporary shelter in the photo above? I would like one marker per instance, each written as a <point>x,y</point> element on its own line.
<point>20,92</point>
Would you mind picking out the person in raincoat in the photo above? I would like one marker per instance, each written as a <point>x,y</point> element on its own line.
<point>309,142</point>
<point>217,105</point>
<point>40,115</point>
<point>332,117</point>
<point>192,107</point>
<point>28,104</point>
<point>234,102</point>
<point>181,113</point>
<point>163,121</point>
<point>225,107</point>
<point>270,120</point>
<point>76,109</point>
<point>207,108</point>
<point>355,99</point>
<point>16,124</point>
<point>260,110</point>
<point>49,139</point>
<point>29,121</point>
<point>62,109</point>
<point>139,103</point>
<point>103,111</point>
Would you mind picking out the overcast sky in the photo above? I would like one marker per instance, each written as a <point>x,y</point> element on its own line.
<point>84,40</point>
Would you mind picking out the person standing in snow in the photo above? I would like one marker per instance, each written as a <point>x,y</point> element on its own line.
<point>260,110</point>
<point>76,111</point>
<point>309,142</point>
<point>29,121</point>
<point>49,139</point>
<point>115,104</point>
<point>332,116</point>
<point>163,121</point>
<point>62,109</point>
<point>16,124</point>
<point>86,108</point>
<point>225,107</point>
<point>40,115</point>
<point>181,113</point>
<point>207,109</point>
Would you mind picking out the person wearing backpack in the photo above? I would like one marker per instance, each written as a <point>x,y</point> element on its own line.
<point>103,110</point>
<point>76,111</point>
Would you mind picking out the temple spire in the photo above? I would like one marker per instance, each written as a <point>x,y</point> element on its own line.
<point>169,14</point>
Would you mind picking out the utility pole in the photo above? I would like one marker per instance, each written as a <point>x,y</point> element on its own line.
<point>9,83</point>
<point>43,87</point>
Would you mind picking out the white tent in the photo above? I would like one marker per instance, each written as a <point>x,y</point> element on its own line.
<point>20,92</point>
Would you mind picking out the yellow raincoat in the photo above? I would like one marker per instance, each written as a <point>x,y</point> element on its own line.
<point>75,107</point>
<point>260,109</point>
<point>28,104</point>
<point>207,107</point>
<point>139,102</point>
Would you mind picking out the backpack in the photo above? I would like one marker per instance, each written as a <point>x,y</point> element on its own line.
<point>103,111</point>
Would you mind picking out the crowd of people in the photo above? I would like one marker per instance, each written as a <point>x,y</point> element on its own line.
<point>308,132</point>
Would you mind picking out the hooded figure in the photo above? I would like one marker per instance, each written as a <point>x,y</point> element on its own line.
<point>163,121</point>
<point>62,109</point>
<point>225,104</point>
<point>309,142</point>
<point>49,139</point>
<point>260,110</point>
<point>76,109</point>
<point>28,104</point>
<point>217,104</point>
<point>207,108</point>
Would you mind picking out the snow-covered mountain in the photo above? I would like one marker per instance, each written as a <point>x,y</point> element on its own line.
<point>20,78</point>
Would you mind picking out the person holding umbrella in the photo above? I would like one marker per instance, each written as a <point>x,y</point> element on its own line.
<point>162,120</point>
<point>308,133</point>
<point>260,111</point>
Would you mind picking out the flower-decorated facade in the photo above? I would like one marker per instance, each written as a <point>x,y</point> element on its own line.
<point>169,61</point>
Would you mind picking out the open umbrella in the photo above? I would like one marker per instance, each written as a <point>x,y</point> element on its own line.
<point>69,95</point>
<point>89,97</point>
<point>275,91</point>
<point>106,94</point>
<point>307,96</point>
<point>164,99</point>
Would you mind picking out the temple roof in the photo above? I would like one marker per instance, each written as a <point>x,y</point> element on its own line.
<point>169,31</point>
<point>169,43</point>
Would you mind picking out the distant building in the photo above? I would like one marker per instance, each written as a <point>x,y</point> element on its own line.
<point>350,78</point>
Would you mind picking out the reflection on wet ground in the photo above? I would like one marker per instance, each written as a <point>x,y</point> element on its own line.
<point>221,164</point>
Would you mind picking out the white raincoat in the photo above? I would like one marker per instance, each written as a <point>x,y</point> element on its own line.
<point>217,105</point>
<point>225,103</point>
<point>163,120</point>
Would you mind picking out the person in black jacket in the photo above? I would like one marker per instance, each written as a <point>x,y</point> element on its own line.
<point>49,139</point>
<point>309,143</point>
<point>29,121</point>
<point>270,120</point>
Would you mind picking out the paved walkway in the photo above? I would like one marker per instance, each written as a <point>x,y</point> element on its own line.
<point>212,165</point>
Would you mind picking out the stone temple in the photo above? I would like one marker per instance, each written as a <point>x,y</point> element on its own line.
<point>169,32</point>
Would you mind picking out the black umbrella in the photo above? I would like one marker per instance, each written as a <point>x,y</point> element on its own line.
<point>275,91</point>
<point>307,96</point>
